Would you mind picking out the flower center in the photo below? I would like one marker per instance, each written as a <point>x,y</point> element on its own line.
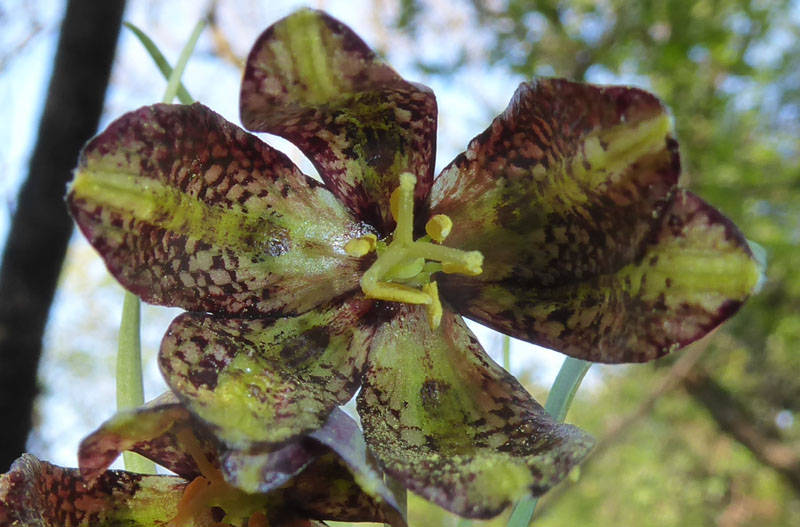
<point>402,272</point>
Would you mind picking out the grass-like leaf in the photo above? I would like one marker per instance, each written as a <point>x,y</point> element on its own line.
<point>160,60</point>
<point>174,78</point>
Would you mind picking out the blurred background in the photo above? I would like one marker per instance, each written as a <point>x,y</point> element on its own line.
<point>706,437</point>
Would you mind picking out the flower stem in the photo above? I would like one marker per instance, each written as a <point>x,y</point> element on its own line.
<point>558,402</point>
<point>130,389</point>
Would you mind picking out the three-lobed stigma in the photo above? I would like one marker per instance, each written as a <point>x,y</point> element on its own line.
<point>402,272</point>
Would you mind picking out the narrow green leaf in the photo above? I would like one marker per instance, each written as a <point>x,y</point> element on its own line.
<point>175,77</point>
<point>160,60</point>
<point>558,402</point>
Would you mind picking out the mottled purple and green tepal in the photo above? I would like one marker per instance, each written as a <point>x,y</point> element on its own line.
<point>561,224</point>
<point>325,476</point>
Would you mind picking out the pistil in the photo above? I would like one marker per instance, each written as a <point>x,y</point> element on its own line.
<point>402,272</point>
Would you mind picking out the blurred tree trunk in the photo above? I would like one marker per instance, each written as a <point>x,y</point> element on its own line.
<point>734,418</point>
<point>40,229</point>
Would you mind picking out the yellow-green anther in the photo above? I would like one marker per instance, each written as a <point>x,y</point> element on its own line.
<point>435,307</point>
<point>439,227</point>
<point>209,489</point>
<point>455,268</point>
<point>372,240</point>
<point>394,203</point>
<point>358,247</point>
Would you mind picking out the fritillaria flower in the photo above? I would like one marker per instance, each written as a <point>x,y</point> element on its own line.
<point>561,224</point>
<point>300,485</point>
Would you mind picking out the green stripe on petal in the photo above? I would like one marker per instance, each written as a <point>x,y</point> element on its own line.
<point>451,425</point>
<point>694,272</point>
<point>265,382</point>
<point>310,79</point>
<point>188,210</point>
<point>564,185</point>
<point>37,494</point>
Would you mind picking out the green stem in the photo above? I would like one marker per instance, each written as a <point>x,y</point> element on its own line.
<point>558,402</point>
<point>130,388</point>
<point>565,387</point>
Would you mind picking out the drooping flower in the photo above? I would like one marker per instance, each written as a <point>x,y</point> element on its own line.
<point>325,476</point>
<point>561,224</point>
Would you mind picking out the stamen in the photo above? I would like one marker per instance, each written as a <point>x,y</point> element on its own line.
<point>394,292</point>
<point>469,262</point>
<point>210,490</point>
<point>439,227</point>
<point>358,247</point>
<point>454,268</point>
<point>435,307</point>
<point>402,272</point>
